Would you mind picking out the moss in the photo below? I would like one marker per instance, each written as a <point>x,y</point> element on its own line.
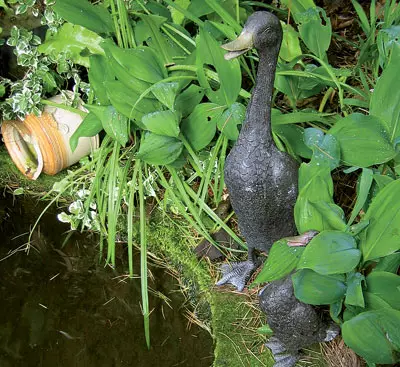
<point>165,237</point>
<point>236,344</point>
<point>11,177</point>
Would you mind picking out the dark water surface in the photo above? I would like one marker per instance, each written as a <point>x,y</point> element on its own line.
<point>59,308</point>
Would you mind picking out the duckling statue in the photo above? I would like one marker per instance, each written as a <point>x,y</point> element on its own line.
<point>261,180</point>
<point>296,325</point>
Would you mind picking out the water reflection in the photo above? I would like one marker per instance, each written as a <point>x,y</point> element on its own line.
<point>60,308</point>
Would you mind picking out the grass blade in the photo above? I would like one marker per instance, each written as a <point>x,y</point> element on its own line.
<point>131,213</point>
<point>363,191</point>
<point>143,257</point>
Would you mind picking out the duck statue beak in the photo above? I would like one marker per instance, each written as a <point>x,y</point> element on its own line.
<point>239,46</point>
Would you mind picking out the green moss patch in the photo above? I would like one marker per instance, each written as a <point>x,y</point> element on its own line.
<point>237,344</point>
<point>11,177</point>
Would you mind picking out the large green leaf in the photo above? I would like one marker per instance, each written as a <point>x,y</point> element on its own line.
<point>390,263</point>
<point>382,236</point>
<point>159,150</point>
<point>156,39</point>
<point>374,335</point>
<point>200,127</point>
<point>166,93</point>
<point>142,62</point>
<point>230,119</point>
<point>162,123</point>
<point>314,31</point>
<point>114,124</point>
<point>290,43</point>
<point>90,126</point>
<point>72,40</point>
<point>330,252</point>
<point>99,72</point>
<point>298,6</point>
<point>385,100</point>
<point>125,100</point>
<point>189,99</point>
<point>82,12</point>
<point>363,140</point>
<point>209,52</point>
<point>122,74</point>
<point>354,293</point>
<point>324,146</point>
<point>332,214</point>
<point>282,259</point>
<point>315,185</point>
<point>387,40</point>
<point>316,289</point>
<point>292,137</point>
<point>386,286</point>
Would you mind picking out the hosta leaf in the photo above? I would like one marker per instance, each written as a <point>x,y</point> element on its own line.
<point>114,124</point>
<point>189,99</point>
<point>159,150</point>
<point>156,39</point>
<point>324,146</point>
<point>386,286</point>
<point>166,93</point>
<point>385,100</point>
<point>230,119</point>
<point>315,185</point>
<point>314,31</point>
<point>122,74</point>
<point>200,127</point>
<point>90,126</point>
<point>72,40</point>
<point>290,43</point>
<point>374,335</point>
<point>292,137</point>
<point>99,72</point>
<point>124,100</point>
<point>354,293</point>
<point>373,302</point>
<point>162,123</point>
<point>209,52</point>
<point>330,252</point>
<point>382,236</point>
<point>363,140</point>
<point>390,263</point>
<point>332,214</point>
<point>282,259</point>
<point>142,62</point>
<point>83,13</point>
<point>335,309</point>
<point>316,289</point>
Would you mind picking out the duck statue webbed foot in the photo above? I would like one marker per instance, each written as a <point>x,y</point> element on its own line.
<point>282,357</point>
<point>239,273</point>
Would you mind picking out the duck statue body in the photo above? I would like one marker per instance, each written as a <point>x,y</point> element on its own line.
<point>261,180</point>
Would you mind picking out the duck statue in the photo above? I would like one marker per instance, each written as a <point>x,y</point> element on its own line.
<point>262,184</point>
<point>261,180</point>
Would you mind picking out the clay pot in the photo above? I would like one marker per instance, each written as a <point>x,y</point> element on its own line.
<point>41,143</point>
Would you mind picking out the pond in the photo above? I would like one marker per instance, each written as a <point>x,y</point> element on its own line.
<point>60,307</point>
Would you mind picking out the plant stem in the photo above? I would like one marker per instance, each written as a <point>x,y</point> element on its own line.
<point>64,107</point>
